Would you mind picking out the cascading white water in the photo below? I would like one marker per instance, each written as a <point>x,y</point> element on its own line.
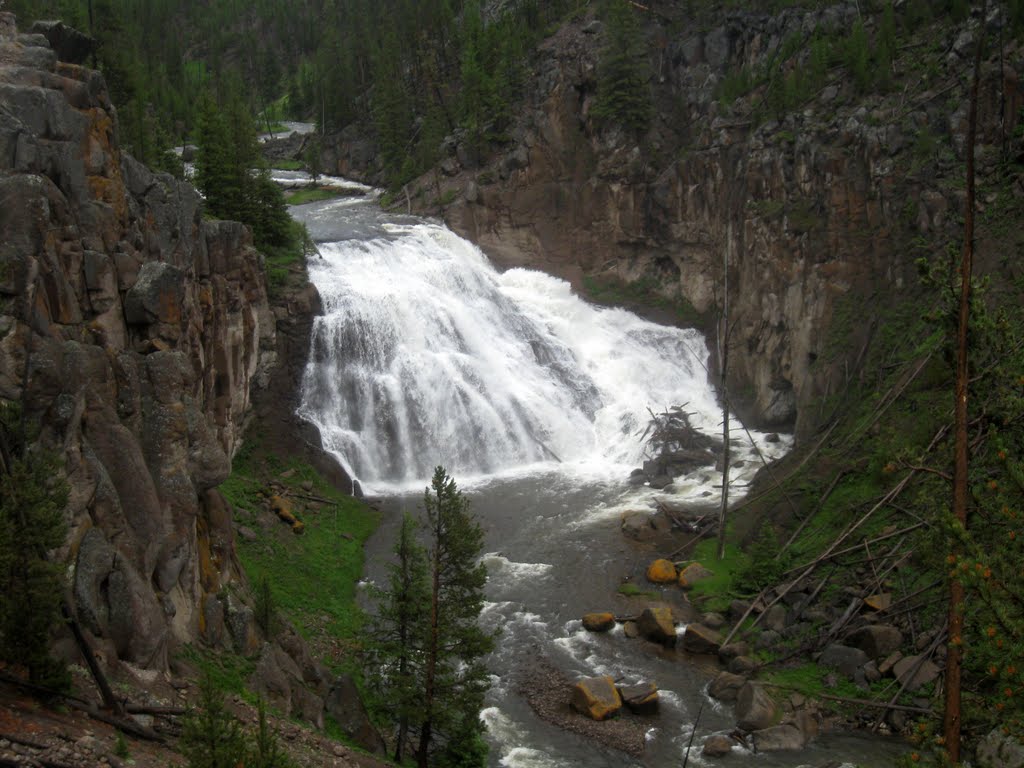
<point>426,355</point>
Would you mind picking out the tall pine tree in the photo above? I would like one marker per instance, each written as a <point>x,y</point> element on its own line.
<point>398,634</point>
<point>454,676</point>
<point>623,90</point>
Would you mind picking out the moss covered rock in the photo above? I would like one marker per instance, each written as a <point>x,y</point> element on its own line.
<point>662,572</point>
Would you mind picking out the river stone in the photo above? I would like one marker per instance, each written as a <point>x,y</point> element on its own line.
<point>701,639</point>
<point>775,618</point>
<point>726,686</point>
<point>713,620</point>
<point>737,609</point>
<point>637,526</point>
<point>655,623</point>
<point>732,650</point>
<point>877,640</point>
<point>661,572</point>
<point>742,665</point>
<point>641,699</point>
<point>598,622</point>
<point>890,661</point>
<point>692,574</point>
<point>717,745</point>
<point>596,697</point>
<point>754,708</point>
<point>767,640</point>
<point>843,658</point>
<point>903,669</point>
<point>779,737</point>
<point>631,630</point>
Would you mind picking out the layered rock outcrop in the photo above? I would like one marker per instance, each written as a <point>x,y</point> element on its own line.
<point>131,330</point>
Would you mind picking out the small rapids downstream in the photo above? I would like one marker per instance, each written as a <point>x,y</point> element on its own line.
<point>534,401</point>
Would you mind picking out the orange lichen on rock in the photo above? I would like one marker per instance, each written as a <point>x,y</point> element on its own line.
<point>662,572</point>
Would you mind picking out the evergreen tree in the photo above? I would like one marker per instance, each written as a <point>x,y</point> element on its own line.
<point>211,736</point>
<point>32,501</point>
<point>454,675</point>
<point>398,634</point>
<point>623,93</point>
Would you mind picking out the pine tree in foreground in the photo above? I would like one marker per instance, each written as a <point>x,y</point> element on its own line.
<point>398,632</point>
<point>454,676</point>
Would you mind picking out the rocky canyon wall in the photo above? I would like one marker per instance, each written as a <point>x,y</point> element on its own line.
<point>132,331</point>
<point>816,210</point>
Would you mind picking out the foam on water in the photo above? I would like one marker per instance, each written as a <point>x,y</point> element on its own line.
<point>426,355</point>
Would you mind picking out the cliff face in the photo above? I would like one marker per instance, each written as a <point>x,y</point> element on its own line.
<point>131,330</point>
<point>816,211</point>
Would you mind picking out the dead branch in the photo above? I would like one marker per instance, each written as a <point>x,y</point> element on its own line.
<point>858,702</point>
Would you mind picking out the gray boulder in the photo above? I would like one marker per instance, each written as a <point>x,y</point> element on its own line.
<point>779,737</point>
<point>997,750</point>
<point>877,640</point>
<point>717,745</point>
<point>726,687</point>
<point>843,658</point>
<point>656,624</point>
<point>345,707</point>
<point>755,709</point>
<point>700,639</point>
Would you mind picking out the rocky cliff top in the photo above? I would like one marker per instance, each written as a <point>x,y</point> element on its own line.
<point>131,330</point>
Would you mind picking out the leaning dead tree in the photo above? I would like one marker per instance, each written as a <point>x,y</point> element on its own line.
<point>952,719</point>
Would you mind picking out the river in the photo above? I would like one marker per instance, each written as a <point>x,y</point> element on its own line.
<point>535,402</point>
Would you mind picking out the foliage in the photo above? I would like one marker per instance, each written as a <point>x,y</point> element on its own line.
<point>765,566</point>
<point>428,649</point>
<point>265,751</point>
<point>623,90</point>
<point>121,747</point>
<point>312,577</point>
<point>226,154</point>
<point>396,652</point>
<point>455,678</point>
<point>210,735</point>
<point>265,609</point>
<point>33,495</point>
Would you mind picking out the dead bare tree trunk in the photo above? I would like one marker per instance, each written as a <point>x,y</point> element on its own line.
<point>723,357</point>
<point>951,720</point>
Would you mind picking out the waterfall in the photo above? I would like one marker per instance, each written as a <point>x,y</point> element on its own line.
<point>426,355</point>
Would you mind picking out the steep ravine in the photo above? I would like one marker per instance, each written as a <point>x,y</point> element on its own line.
<point>136,333</point>
<point>821,213</point>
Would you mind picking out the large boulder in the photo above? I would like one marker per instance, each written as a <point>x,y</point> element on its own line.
<point>726,687</point>
<point>843,658</point>
<point>700,639</point>
<point>925,673</point>
<point>640,699</point>
<point>997,750</point>
<point>877,640</point>
<point>345,707</point>
<point>662,572</point>
<point>755,709</point>
<point>596,697</point>
<point>718,745</point>
<point>655,624</point>
<point>779,737</point>
<point>692,574</point>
